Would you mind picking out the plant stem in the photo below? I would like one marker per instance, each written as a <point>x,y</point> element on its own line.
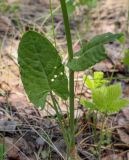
<point>71,73</point>
<point>60,120</point>
<point>101,137</point>
<point>52,19</point>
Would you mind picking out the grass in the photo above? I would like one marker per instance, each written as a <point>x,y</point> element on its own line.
<point>5,7</point>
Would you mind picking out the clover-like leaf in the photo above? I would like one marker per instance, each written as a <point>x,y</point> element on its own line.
<point>88,104</point>
<point>41,68</point>
<point>96,81</point>
<point>109,99</point>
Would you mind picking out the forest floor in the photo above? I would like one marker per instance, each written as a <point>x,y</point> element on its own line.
<point>22,126</point>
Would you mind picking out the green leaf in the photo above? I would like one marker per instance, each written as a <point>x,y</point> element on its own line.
<point>89,3</point>
<point>126,57</point>
<point>98,75</point>
<point>96,81</point>
<point>92,53</point>
<point>99,79</point>
<point>70,6</point>
<point>122,39</point>
<point>88,104</point>
<point>90,58</point>
<point>99,40</point>
<point>41,68</point>
<point>109,99</point>
<point>89,81</point>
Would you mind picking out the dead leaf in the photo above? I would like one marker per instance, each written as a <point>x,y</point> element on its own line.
<point>124,137</point>
<point>18,149</point>
<point>7,126</point>
<point>5,24</point>
<point>113,157</point>
<point>104,66</point>
<point>39,142</point>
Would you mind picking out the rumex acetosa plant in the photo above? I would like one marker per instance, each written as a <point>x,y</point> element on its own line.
<point>43,73</point>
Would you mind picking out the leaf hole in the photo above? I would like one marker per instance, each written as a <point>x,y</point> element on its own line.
<point>61,73</point>
<point>55,76</point>
<point>52,80</point>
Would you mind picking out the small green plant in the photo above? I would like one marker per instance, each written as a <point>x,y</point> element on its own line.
<point>72,4</point>
<point>107,99</point>
<point>96,81</point>
<point>43,73</point>
<point>10,8</point>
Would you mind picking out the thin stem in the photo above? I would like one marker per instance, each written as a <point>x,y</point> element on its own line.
<point>47,18</point>
<point>56,109</point>
<point>71,73</point>
<point>52,18</point>
<point>101,137</point>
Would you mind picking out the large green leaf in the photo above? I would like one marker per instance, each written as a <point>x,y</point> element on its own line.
<point>90,58</point>
<point>92,53</point>
<point>41,68</point>
<point>99,40</point>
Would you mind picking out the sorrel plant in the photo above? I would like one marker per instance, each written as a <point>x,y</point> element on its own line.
<point>43,74</point>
